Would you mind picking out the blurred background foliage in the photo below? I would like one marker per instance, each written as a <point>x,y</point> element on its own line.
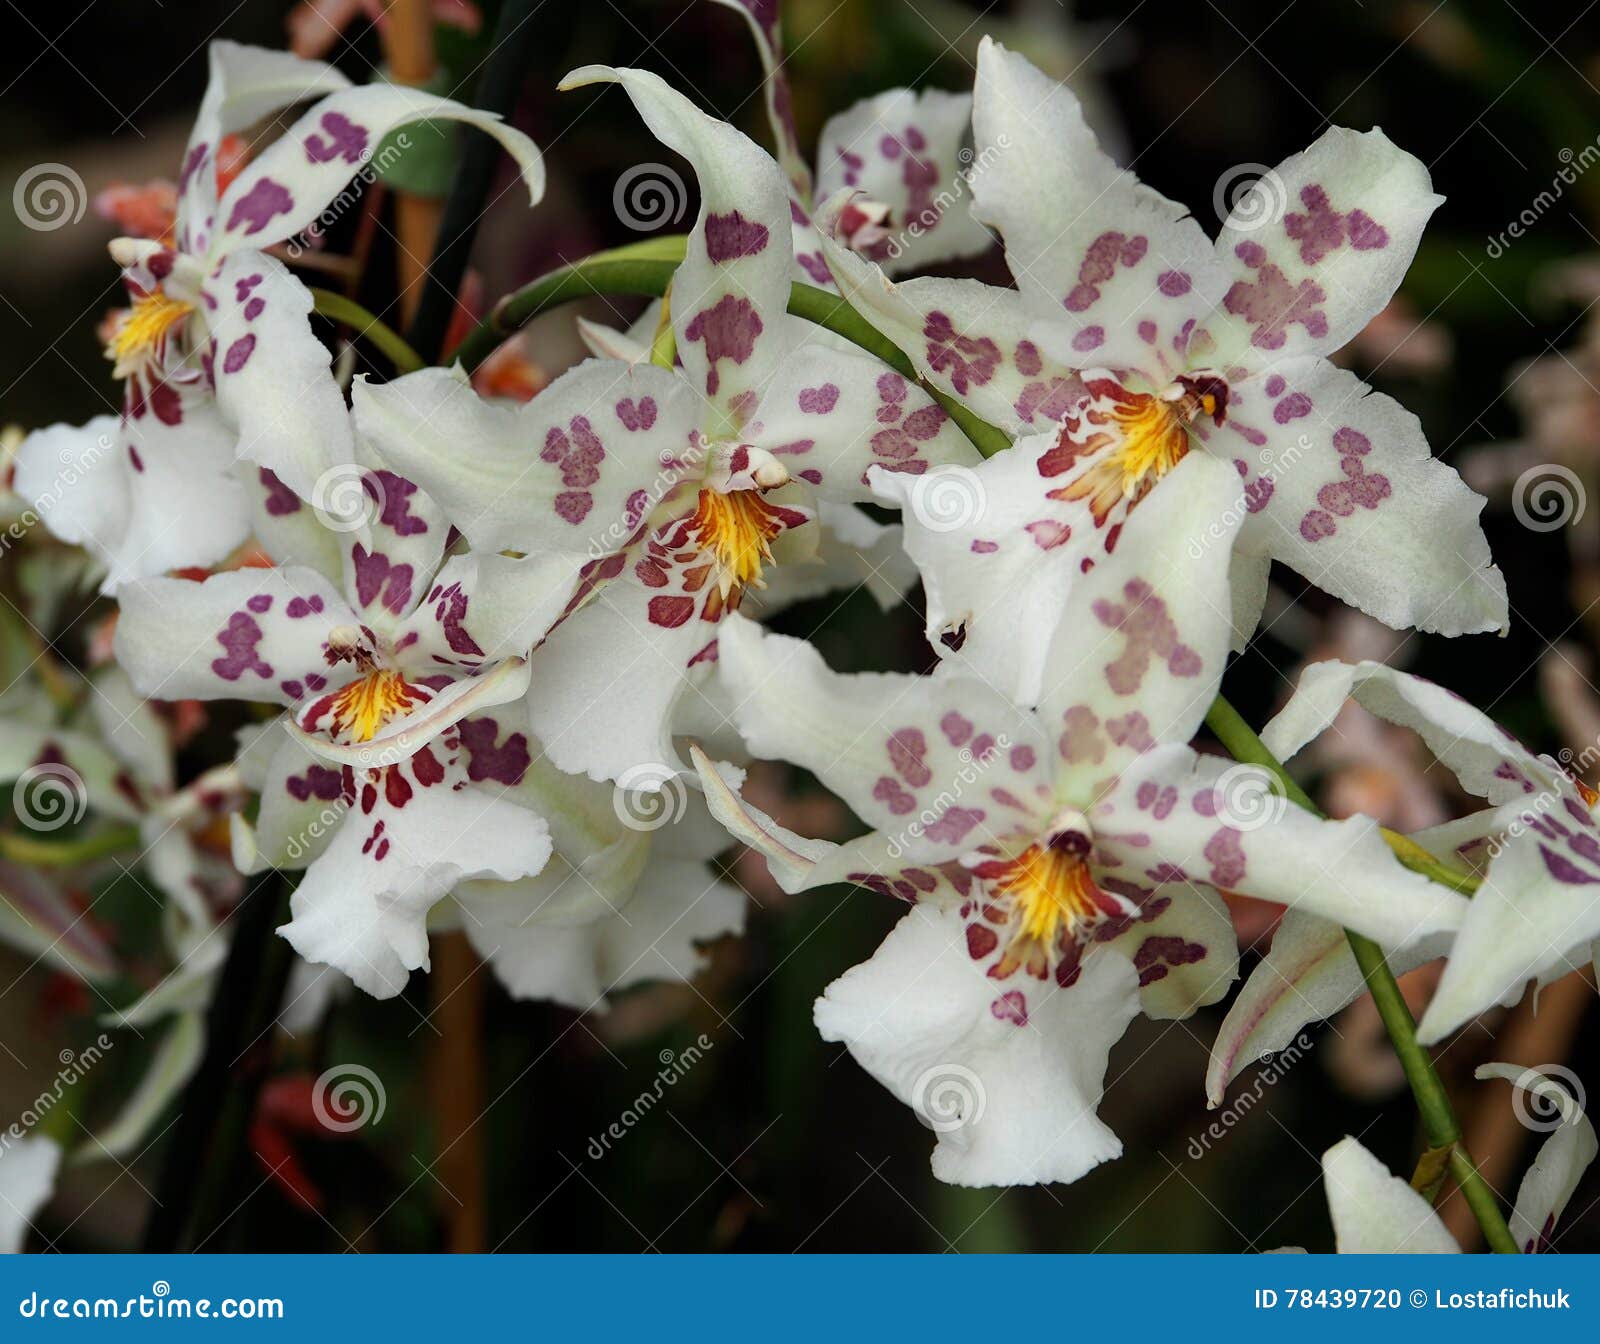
<point>774,1140</point>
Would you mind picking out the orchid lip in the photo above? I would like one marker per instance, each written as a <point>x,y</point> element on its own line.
<point>403,736</point>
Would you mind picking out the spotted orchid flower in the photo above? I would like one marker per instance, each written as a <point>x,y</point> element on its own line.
<point>687,485</point>
<point>1376,1213</point>
<point>215,353</point>
<point>902,154</point>
<point>1133,343</point>
<point>1536,916</point>
<point>1063,865</point>
<point>388,782</point>
<point>629,894</point>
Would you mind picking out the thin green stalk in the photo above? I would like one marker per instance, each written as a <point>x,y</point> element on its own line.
<point>29,849</point>
<point>1439,1121</point>
<point>337,308</point>
<point>646,269</point>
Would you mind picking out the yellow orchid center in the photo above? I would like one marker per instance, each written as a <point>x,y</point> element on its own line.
<point>1051,900</point>
<point>356,712</point>
<point>737,528</point>
<point>1135,438</point>
<point>144,329</point>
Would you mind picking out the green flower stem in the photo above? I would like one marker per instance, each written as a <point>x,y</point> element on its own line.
<point>1439,1121</point>
<point>337,308</point>
<point>646,269</point>
<point>30,849</point>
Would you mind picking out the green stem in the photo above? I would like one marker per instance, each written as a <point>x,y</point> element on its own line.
<point>646,269</point>
<point>1439,1121</point>
<point>337,308</point>
<point>30,849</point>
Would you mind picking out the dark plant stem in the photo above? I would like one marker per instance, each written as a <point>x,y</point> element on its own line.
<point>204,1167</point>
<point>497,90</point>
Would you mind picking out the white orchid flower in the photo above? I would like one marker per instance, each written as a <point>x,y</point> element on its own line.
<point>391,782</point>
<point>687,485</point>
<point>1133,344</point>
<point>216,354</point>
<point>1063,864</point>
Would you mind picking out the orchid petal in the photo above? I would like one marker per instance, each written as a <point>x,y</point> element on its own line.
<point>1319,246</point>
<point>141,495</point>
<point>27,1181</point>
<point>1487,760</point>
<point>832,417</point>
<point>763,20</point>
<point>1182,946</point>
<point>1174,812</point>
<point>362,905</point>
<point>256,634</point>
<point>1123,272</point>
<point>1375,1213</point>
<point>1549,1184</point>
<point>1340,484</point>
<point>943,763</point>
<point>246,85</point>
<point>730,293</point>
<point>575,469</point>
<point>1308,975</point>
<point>1013,1102</point>
<point>173,1064</point>
<point>971,340</point>
<point>1535,912</point>
<point>293,181</point>
<point>1138,653</point>
<point>274,382</point>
